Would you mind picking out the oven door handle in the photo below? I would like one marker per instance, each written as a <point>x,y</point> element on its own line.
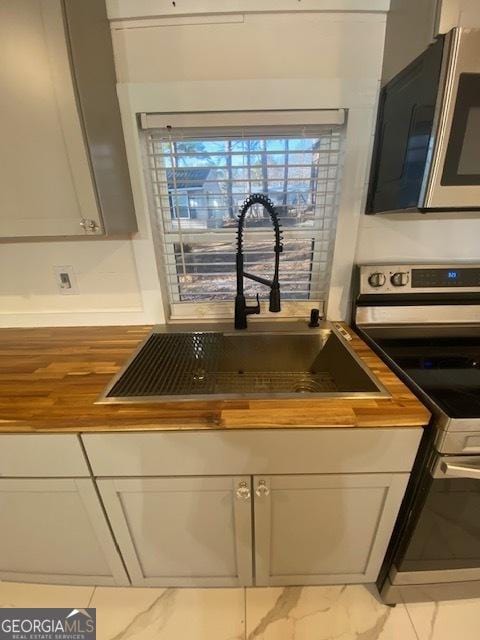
<point>457,469</point>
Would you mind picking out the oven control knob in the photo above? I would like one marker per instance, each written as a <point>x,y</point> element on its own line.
<point>399,279</point>
<point>376,279</point>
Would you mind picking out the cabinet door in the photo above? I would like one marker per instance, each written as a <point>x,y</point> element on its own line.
<point>182,531</point>
<point>54,530</point>
<point>46,186</point>
<point>323,529</point>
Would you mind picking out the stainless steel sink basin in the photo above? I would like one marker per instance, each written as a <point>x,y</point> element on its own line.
<point>194,365</point>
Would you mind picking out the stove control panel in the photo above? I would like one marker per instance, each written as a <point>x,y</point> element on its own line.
<point>419,278</point>
<point>446,277</point>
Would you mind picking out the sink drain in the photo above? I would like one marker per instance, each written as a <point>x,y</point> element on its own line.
<point>308,385</point>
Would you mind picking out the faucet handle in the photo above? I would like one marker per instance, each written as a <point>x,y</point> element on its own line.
<point>254,309</point>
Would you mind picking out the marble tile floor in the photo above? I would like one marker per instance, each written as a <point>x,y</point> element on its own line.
<point>295,613</point>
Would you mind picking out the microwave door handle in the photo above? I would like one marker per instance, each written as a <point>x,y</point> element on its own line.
<point>457,470</point>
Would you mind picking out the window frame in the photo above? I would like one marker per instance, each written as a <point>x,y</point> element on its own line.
<point>221,310</point>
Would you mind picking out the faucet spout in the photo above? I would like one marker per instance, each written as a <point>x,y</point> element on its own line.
<point>241,307</point>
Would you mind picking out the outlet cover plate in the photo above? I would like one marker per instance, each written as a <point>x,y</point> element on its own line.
<point>66,280</point>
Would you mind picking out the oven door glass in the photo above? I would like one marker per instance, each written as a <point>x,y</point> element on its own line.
<point>462,159</point>
<point>446,529</point>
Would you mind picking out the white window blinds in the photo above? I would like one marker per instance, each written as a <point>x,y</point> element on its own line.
<point>199,177</point>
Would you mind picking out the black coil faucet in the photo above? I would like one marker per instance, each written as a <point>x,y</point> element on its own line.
<point>242,310</point>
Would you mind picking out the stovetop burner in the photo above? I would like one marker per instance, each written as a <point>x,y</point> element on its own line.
<point>445,367</point>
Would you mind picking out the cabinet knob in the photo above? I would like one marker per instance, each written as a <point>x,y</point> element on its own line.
<point>243,491</point>
<point>262,489</point>
<point>88,225</point>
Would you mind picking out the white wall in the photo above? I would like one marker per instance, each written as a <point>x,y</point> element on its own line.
<point>401,238</point>
<point>300,45</point>
<point>106,278</point>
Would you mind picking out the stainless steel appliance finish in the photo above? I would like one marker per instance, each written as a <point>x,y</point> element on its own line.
<point>426,152</point>
<point>182,364</point>
<point>401,279</point>
<point>461,57</point>
<point>457,467</point>
<point>428,330</point>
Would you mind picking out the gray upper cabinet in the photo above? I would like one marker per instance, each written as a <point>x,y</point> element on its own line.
<point>182,531</point>
<point>54,531</point>
<point>63,160</point>
<point>323,529</point>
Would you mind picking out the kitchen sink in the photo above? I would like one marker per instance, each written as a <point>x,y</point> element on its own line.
<point>195,365</point>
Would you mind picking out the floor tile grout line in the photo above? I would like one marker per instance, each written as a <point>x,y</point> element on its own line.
<point>404,604</point>
<point>245,613</point>
<point>91,597</point>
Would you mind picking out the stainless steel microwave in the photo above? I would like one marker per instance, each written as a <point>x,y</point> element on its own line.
<point>427,142</point>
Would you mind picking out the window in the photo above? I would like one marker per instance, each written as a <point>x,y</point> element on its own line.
<point>179,203</point>
<point>199,178</point>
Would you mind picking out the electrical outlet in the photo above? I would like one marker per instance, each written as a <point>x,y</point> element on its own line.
<point>66,280</point>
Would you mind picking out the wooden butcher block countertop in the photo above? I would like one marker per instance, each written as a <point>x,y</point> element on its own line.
<point>50,379</point>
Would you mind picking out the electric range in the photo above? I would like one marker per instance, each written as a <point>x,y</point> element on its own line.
<point>424,321</point>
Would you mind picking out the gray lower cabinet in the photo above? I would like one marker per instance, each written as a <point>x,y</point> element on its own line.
<point>309,529</point>
<point>242,507</point>
<point>54,530</point>
<point>323,529</point>
<point>210,509</point>
<point>193,531</point>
